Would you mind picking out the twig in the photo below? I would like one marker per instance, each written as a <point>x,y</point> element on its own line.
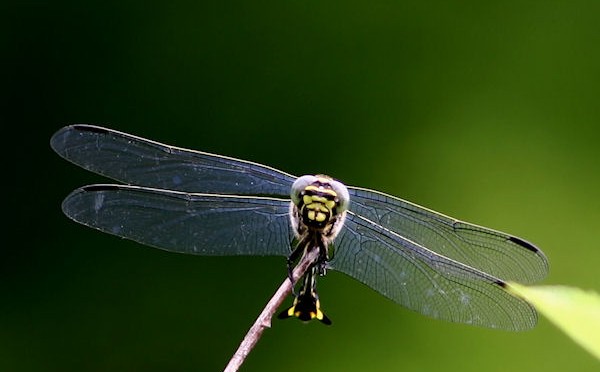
<point>264,319</point>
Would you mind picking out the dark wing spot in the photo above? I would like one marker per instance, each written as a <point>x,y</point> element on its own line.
<point>501,283</point>
<point>524,244</point>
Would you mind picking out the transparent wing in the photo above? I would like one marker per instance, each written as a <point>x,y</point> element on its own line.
<point>138,161</point>
<point>424,281</point>
<point>203,224</point>
<point>501,255</point>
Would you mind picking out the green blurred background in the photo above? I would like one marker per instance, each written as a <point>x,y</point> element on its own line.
<point>487,111</point>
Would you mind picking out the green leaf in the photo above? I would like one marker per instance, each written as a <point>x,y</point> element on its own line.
<point>575,311</point>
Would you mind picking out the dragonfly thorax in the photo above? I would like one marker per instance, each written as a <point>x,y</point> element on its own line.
<point>318,206</point>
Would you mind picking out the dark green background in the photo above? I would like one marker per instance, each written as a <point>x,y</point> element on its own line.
<point>487,111</point>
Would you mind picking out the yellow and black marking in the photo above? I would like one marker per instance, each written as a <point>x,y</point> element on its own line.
<point>317,211</point>
<point>318,204</point>
<point>317,214</point>
<point>306,304</point>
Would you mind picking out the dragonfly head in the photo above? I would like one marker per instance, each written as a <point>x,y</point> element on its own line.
<point>318,203</point>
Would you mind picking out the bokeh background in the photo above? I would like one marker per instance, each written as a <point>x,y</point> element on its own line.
<point>486,111</point>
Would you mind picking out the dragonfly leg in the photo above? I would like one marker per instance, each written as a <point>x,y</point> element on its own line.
<point>293,258</point>
<point>321,264</point>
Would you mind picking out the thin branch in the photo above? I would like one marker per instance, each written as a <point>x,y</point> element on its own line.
<point>264,319</point>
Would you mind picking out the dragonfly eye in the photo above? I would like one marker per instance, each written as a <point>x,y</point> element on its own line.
<point>343,197</point>
<point>299,188</point>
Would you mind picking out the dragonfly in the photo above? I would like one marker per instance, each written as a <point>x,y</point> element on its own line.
<point>199,203</point>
